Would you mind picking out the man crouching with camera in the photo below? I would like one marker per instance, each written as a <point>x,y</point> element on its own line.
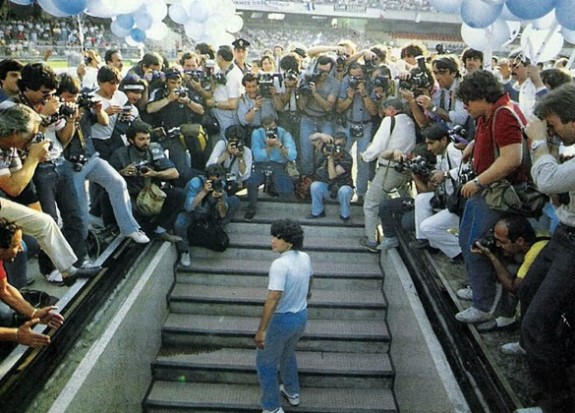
<point>334,176</point>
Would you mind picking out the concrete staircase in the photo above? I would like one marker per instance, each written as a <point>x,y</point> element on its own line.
<point>207,359</point>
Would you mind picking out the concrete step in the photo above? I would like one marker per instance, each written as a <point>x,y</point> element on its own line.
<point>354,336</point>
<point>211,276</point>
<point>248,301</point>
<point>237,366</point>
<point>167,397</point>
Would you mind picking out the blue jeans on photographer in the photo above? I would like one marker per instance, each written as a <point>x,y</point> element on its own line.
<point>322,190</point>
<point>361,143</point>
<point>283,184</point>
<point>308,126</point>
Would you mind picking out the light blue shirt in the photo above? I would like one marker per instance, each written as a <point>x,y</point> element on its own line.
<point>260,152</point>
<point>291,273</point>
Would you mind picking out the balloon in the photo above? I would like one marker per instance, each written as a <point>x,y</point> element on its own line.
<point>507,15</point>
<point>493,2</point>
<point>23,2</point>
<point>498,34</point>
<point>234,24</point>
<point>96,8</point>
<point>199,11</point>
<point>71,7</point>
<point>138,35</point>
<point>477,14</point>
<point>131,42</point>
<point>125,20</point>
<point>568,35</point>
<point>532,43</point>
<point>158,31</point>
<point>157,9</point>
<point>545,22</point>
<point>225,7</point>
<point>143,20</point>
<point>474,38</point>
<point>565,13</point>
<point>194,30</point>
<point>529,9</point>
<point>178,13</point>
<point>446,6</point>
<point>119,30</point>
<point>123,6</point>
<point>50,7</point>
<point>514,29</point>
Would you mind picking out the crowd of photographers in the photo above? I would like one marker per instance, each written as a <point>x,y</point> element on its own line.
<point>166,147</point>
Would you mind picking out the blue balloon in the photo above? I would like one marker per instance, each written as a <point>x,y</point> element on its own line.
<point>23,2</point>
<point>51,8</point>
<point>71,6</point>
<point>478,15</point>
<point>565,14</point>
<point>529,9</point>
<point>138,35</point>
<point>126,21</point>
<point>143,20</point>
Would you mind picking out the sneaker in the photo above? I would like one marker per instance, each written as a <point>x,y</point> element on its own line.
<point>458,259</point>
<point>278,410</point>
<point>185,260</point>
<point>55,277</point>
<point>312,216</point>
<point>166,236</point>
<point>359,200</point>
<point>250,213</point>
<point>419,244</point>
<point>293,399</point>
<point>369,245</point>
<point>465,294</point>
<point>388,243</point>
<point>88,272</point>
<point>513,349</point>
<point>535,409</point>
<point>346,220</point>
<point>472,315</point>
<point>500,324</point>
<point>139,237</point>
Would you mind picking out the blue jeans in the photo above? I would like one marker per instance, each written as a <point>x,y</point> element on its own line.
<point>363,168</point>
<point>282,336</point>
<point>320,191</point>
<point>282,182</point>
<point>307,127</point>
<point>477,220</point>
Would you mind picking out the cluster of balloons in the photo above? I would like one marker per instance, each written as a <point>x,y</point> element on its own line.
<point>210,21</point>
<point>134,20</point>
<point>493,24</point>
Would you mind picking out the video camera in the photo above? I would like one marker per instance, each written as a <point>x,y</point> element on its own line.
<point>354,82</point>
<point>333,149</point>
<point>458,134</point>
<point>418,79</point>
<point>265,81</point>
<point>417,165</point>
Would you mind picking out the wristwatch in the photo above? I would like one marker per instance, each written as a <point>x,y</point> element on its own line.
<point>537,144</point>
<point>476,182</point>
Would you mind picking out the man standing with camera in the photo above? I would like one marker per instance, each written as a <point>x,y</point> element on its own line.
<point>255,104</point>
<point>334,175</point>
<point>549,286</point>
<point>142,163</point>
<point>272,148</point>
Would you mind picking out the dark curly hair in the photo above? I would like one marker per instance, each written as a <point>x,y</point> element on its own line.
<point>7,231</point>
<point>479,85</point>
<point>288,230</point>
<point>36,75</point>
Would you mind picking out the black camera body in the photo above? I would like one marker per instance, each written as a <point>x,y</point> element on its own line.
<point>291,75</point>
<point>218,185</point>
<point>354,82</point>
<point>182,91</point>
<point>66,110</point>
<point>418,79</point>
<point>40,137</point>
<point>333,149</point>
<point>341,59</point>
<point>266,81</point>
<point>466,175</point>
<point>272,133</point>
<point>381,81</point>
<point>240,146</point>
<point>86,101</point>
<point>78,161</point>
<point>417,165</point>
<point>143,167</point>
<point>306,80</point>
<point>220,78</point>
<point>489,242</point>
<point>458,134</point>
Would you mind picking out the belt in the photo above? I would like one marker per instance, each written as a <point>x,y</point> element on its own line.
<point>46,165</point>
<point>315,116</point>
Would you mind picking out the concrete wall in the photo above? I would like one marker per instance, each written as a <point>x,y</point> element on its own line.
<point>424,382</point>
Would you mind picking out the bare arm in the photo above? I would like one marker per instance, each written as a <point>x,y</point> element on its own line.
<point>270,306</point>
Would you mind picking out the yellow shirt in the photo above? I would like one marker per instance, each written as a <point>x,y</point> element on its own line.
<point>530,257</point>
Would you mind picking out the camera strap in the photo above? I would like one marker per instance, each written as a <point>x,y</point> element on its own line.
<point>81,137</point>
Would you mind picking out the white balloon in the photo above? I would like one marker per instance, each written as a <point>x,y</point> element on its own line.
<point>514,29</point>
<point>234,24</point>
<point>157,9</point>
<point>199,11</point>
<point>568,35</point>
<point>545,22</point>
<point>123,6</point>
<point>194,29</point>
<point>225,7</point>
<point>143,20</point>
<point>537,47</point>
<point>178,13</point>
<point>215,25</point>
<point>97,8</point>
<point>118,30</point>
<point>497,34</point>
<point>158,31</point>
<point>132,42</point>
<point>474,38</point>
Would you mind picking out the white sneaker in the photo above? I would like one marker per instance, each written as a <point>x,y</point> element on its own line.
<point>139,237</point>
<point>278,410</point>
<point>185,260</point>
<point>465,294</point>
<point>55,277</point>
<point>529,410</point>
<point>293,399</point>
<point>513,349</point>
<point>472,315</point>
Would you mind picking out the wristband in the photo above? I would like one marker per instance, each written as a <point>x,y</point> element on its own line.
<point>537,144</point>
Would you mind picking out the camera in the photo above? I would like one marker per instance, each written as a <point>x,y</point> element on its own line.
<point>381,81</point>
<point>40,137</point>
<point>197,75</point>
<point>354,82</point>
<point>66,110</point>
<point>182,91</point>
<point>306,80</point>
<point>218,185</point>
<point>466,175</point>
<point>417,165</point>
<point>332,149</point>
<point>418,79</point>
<point>489,242</point>
<point>174,132</point>
<point>78,162</point>
<point>341,59</point>
<point>238,145</point>
<point>86,100</point>
<point>142,167</point>
<point>231,183</point>
<point>272,133</point>
<point>291,75</point>
<point>370,66</point>
<point>458,134</point>
<point>265,81</point>
<point>220,78</point>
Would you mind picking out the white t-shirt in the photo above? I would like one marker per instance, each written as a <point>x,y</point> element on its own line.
<point>291,273</point>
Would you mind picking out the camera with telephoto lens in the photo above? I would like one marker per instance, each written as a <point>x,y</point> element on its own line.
<point>489,242</point>
<point>354,82</point>
<point>78,162</point>
<point>304,87</point>
<point>86,100</point>
<point>143,167</point>
<point>381,81</point>
<point>182,91</point>
<point>218,185</point>
<point>458,134</point>
<point>417,165</point>
<point>418,78</point>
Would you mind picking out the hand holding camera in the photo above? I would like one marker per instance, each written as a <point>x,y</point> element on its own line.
<point>51,106</point>
<point>39,148</point>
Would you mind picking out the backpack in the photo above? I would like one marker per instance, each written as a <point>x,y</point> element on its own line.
<point>195,140</point>
<point>210,235</point>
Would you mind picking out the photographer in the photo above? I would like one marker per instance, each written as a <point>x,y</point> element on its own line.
<point>549,286</point>
<point>197,80</point>
<point>234,156</point>
<point>170,107</point>
<point>357,108</point>
<point>256,104</point>
<point>272,148</point>
<point>334,175</point>
<point>286,97</point>
<point>141,162</point>
<point>206,200</point>
<point>417,87</point>
<point>318,95</point>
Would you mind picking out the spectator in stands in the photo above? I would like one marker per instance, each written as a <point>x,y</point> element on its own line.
<point>241,47</point>
<point>472,60</point>
<point>333,176</point>
<point>9,75</point>
<point>396,132</point>
<point>511,246</point>
<point>483,95</point>
<point>318,95</point>
<point>548,287</point>
<point>284,317</point>
<point>432,222</point>
<point>278,53</point>
<point>272,148</point>
<point>87,71</point>
<point>256,103</point>
<point>18,126</point>
<point>356,106</point>
<point>207,200</point>
<point>141,162</point>
<point>227,91</point>
<point>10,246</point>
